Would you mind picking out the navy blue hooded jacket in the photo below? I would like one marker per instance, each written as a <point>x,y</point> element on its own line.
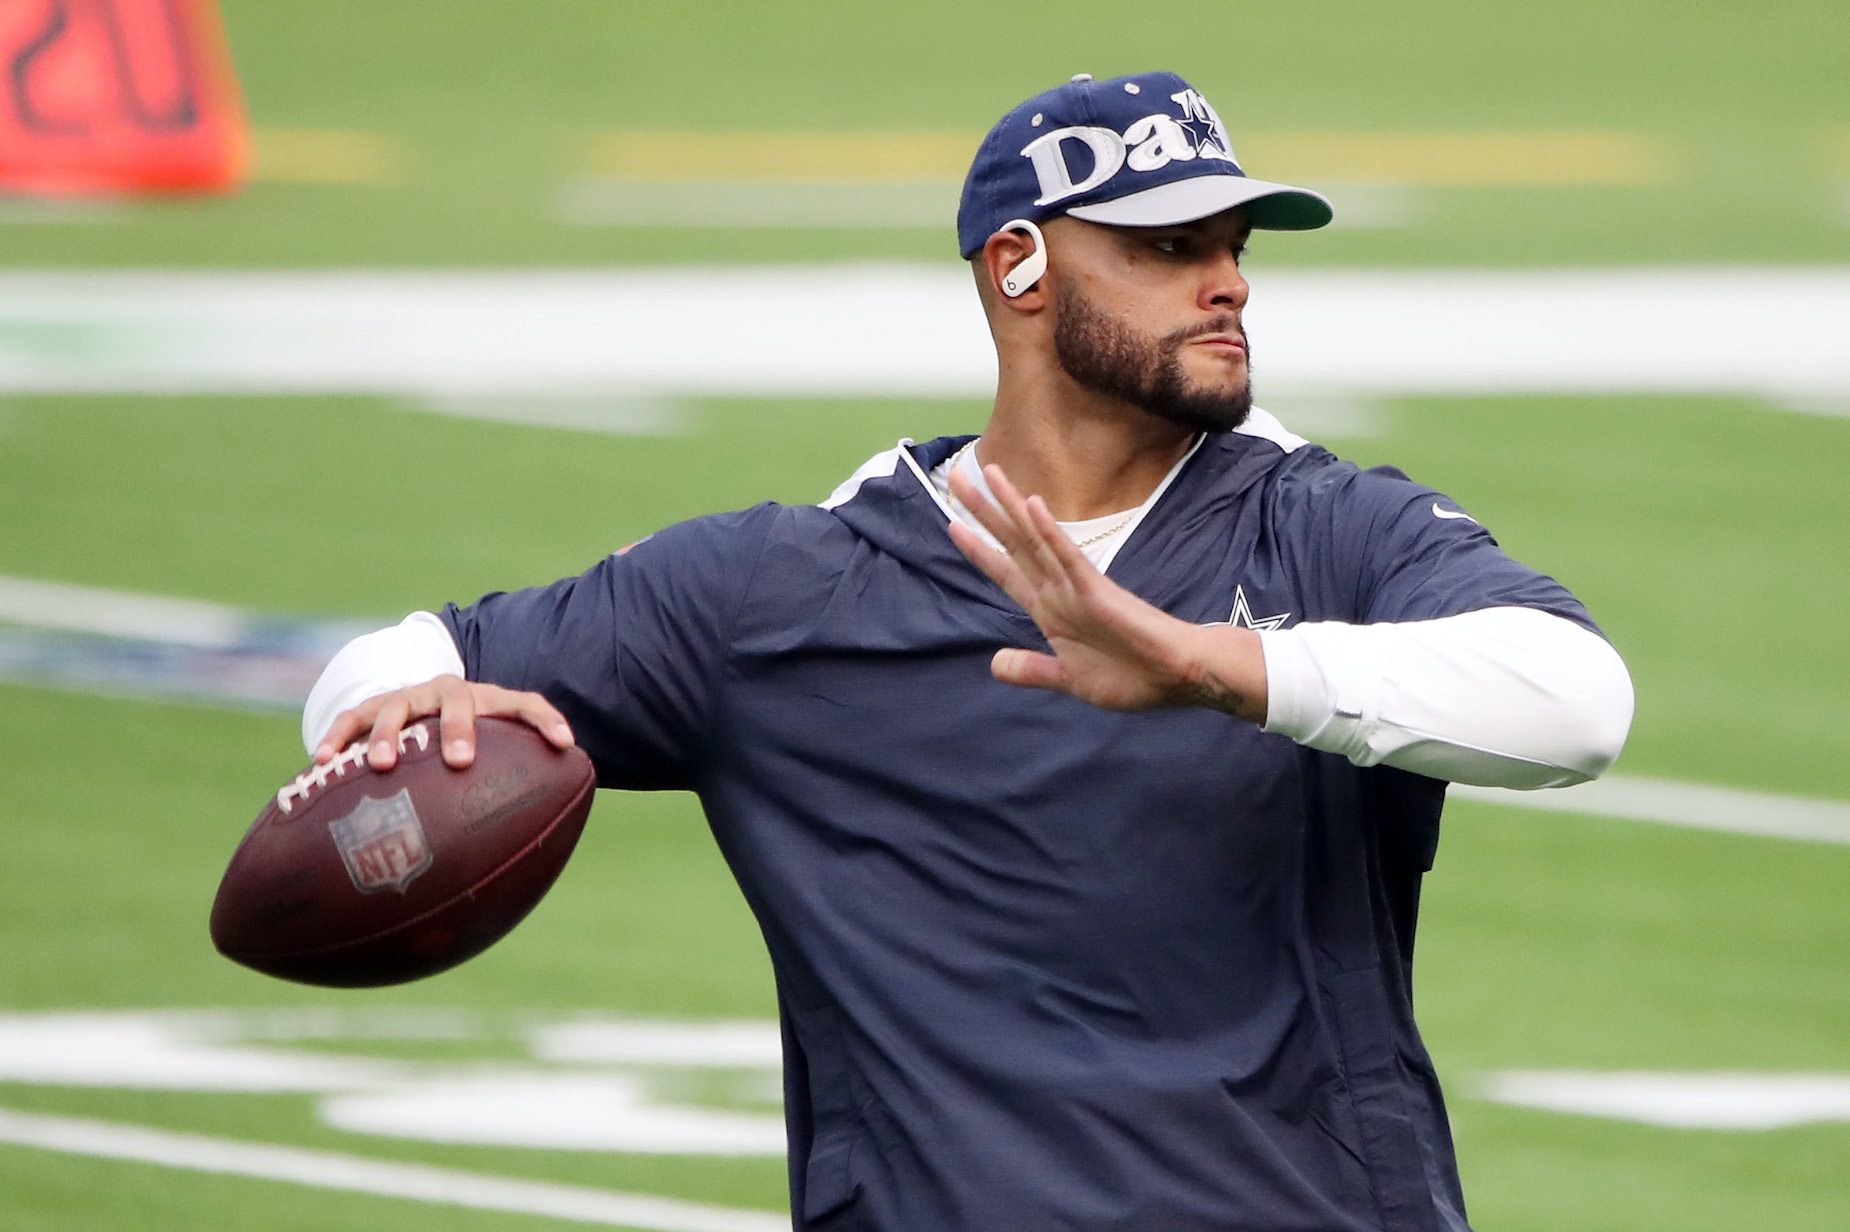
<point>1040,965</point>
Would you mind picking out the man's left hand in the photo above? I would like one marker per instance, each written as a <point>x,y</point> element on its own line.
<point>1110,648</point>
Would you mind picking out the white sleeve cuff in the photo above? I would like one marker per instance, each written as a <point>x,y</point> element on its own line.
<point>1504,697</point>
<point>1300,701</point>
<point>417,649</point>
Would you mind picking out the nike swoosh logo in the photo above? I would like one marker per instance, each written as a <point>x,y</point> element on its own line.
<point>1450,513</point>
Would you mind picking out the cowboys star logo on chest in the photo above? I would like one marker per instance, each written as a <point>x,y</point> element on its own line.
<point>1242,615</point>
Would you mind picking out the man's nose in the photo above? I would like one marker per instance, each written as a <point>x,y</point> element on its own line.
<point>1223,287</point>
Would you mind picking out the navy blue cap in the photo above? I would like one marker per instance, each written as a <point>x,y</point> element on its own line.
<point>1142,151</point>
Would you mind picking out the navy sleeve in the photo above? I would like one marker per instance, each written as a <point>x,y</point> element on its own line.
<point>632,651</point>
<point>1418,556</point>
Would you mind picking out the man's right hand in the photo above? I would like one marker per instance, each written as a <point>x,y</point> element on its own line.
<point>456,703</point>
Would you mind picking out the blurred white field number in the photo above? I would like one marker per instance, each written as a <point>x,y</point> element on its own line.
<point>593,1083</point>
<point>644,1086</point>
<point>654,1086</point>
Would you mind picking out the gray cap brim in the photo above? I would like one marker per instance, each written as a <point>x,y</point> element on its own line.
<point>1269,207</point>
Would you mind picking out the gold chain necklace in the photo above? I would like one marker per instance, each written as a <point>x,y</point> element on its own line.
<point>1106,534</point>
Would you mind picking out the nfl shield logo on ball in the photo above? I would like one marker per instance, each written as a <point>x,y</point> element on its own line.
<point>382,844</point>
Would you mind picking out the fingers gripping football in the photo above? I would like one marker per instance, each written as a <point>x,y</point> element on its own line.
<point>456,703</point>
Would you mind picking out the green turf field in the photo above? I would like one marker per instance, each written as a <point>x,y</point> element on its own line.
<point>1708,535</point>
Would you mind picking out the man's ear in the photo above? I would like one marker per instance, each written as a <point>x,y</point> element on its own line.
<point>1014,259</point>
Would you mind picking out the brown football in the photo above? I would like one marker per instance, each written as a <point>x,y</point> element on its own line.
<point>352,878</point>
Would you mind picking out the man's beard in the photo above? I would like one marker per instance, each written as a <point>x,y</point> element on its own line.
<point>1107,357</point>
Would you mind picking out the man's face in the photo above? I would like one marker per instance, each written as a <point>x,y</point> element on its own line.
<point>1151,315</point>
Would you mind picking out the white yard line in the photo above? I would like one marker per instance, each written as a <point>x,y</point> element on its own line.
<point>1671,803</point>
<point>901,330</point>
<point>118,613</point>
<point>1728,1101</point>
<point>356,1174</point>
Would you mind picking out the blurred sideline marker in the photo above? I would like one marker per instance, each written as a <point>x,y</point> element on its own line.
<point>1835,146</point>
<point>1472,159</point>
<point>690,178</point>
<point>787,157</point>
<point>1486,159</point>
<point>325,156</point>
<point>110,97</point>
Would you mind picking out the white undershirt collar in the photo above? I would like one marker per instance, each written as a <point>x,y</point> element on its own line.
<point>1098,538</point>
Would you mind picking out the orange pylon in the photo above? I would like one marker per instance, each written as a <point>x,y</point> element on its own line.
<point>118,96</point>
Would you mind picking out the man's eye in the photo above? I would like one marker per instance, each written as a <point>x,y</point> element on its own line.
<point>1172,245</point>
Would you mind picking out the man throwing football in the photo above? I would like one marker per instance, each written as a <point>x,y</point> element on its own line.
<point>1082,774</point>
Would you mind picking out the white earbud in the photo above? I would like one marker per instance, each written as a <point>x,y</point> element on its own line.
<point>1032,266</point>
